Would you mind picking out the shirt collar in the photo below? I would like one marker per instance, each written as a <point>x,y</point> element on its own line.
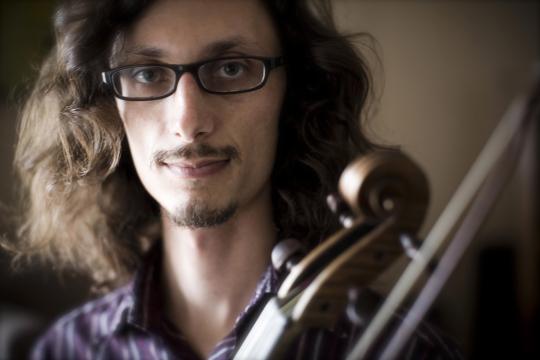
<point>146,295</point>
<point>266,287</point>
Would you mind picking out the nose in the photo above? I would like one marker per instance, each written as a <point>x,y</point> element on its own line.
<point>188,112</point>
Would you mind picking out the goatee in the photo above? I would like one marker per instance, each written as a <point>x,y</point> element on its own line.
<point>197,215</point>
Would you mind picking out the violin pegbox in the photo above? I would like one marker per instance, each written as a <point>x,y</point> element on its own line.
<point>386,195</point>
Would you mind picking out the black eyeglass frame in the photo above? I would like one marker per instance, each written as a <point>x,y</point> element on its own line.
<point>269,63</point>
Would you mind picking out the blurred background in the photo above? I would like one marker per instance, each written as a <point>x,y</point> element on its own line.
<point>445,74</point>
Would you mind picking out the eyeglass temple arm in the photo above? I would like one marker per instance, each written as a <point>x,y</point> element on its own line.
<point>275,62</point>
<point>105,78</point>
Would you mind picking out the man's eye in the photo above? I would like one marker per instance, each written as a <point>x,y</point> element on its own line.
<point>147,75</point>
<point>231,69</point>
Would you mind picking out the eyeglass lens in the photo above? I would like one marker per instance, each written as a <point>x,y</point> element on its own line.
<point>222,76</point>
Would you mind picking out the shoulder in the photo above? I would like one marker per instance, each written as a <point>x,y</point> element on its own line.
<point>75,333</point>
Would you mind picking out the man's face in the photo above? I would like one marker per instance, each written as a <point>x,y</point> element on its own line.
<point>204,157</point>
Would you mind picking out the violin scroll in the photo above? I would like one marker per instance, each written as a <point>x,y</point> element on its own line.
<point>383,184</point>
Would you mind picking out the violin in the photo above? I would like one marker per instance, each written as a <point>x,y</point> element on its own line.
<point>386,196</point>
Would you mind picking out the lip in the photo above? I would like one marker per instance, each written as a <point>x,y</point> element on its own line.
<point>196,169</point>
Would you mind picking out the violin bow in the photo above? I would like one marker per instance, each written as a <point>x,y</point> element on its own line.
<point>475,196</point>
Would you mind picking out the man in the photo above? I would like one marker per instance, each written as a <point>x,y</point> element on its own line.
<point>230,151</point>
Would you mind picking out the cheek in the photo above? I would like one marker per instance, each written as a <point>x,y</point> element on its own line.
<point>268,116</point>
<point>138,131</point>
<point>260,133</point>
<point>266,107</point>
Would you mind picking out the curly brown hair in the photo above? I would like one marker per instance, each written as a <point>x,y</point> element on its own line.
<point>83,206</point>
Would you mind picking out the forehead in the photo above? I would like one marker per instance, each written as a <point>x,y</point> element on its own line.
<point>191,30</point>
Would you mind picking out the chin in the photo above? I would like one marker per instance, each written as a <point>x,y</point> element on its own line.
<point>197,215</point>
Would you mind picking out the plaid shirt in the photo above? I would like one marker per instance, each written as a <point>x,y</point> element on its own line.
<point>128,323</point>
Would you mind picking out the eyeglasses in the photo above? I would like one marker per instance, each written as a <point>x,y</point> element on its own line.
<point>230,75</point>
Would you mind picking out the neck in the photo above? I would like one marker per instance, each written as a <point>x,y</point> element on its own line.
<point>210,274</point>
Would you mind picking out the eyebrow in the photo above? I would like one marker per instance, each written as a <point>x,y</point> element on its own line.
<point>213,49</point>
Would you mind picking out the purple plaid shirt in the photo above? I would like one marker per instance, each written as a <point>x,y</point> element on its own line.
<point>128,324</point>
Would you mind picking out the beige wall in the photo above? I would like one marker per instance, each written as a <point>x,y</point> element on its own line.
<point>450,70</point>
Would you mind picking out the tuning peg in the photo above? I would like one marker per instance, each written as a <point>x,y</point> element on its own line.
<point>410,246</point>
<point>362,305</point>
<point>339,207</point>
<point>286,254</point>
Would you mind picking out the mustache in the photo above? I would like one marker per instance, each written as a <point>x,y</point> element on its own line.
<point>195,151</point>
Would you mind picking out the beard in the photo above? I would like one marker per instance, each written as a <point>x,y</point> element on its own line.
<point>198,215</point>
